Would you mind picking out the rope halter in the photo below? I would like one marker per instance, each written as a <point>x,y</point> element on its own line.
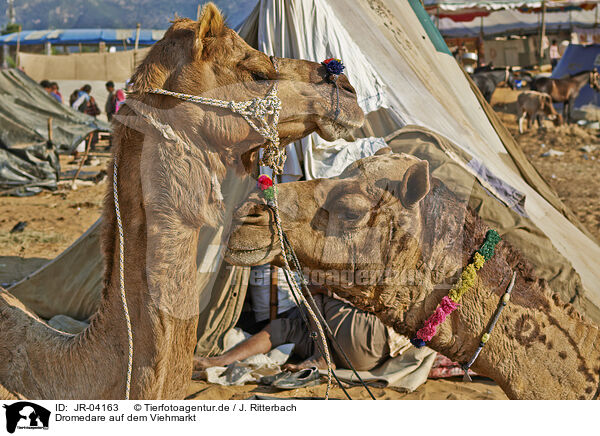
<point>262,114</point>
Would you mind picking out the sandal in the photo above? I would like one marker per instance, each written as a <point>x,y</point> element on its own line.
<point>301,379</point>
<point>270,379</point>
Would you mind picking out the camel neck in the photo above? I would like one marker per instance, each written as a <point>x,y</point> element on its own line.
<point>540,347</point>
<point>160,275</point>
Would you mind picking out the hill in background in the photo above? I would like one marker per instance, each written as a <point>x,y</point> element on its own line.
<point>152,14</point>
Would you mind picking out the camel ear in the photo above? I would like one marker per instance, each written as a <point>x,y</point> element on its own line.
<point>384,150</point>
<point>211,22</point>
<point>415,184</point>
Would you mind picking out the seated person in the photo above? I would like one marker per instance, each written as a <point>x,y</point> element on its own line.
<point>364,339</point>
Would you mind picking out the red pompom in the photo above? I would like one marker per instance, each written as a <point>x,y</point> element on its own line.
<point>264,182</point>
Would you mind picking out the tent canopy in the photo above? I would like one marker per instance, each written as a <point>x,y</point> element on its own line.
<point>499,18</point>
<point>469,10</point>
<point>83,36</point>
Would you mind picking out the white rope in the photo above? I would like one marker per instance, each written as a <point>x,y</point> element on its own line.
<point>296,289</point>
<point>122,282</point>
<point>256,112</point>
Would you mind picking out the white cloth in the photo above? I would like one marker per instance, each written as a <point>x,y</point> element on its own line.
<point>250,369</point>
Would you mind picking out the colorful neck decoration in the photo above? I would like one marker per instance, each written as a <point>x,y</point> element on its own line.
<point>450,302</point>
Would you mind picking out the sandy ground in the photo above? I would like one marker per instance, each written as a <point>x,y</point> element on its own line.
<point>449,389</point>
<point>57,219</point>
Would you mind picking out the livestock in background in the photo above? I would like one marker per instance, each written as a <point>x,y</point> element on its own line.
<point>533,105</point>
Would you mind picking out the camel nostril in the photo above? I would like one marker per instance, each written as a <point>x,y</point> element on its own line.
<point>257,214</point>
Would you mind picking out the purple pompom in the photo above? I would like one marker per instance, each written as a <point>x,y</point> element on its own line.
<point>334,66</point>
<point>419,343</point>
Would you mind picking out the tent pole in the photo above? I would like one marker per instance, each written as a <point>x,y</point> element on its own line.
<point>5,54</point>
<point>542,33</point>
<point>137,35</point>
<point>18,48</point>
<point>437,18</point>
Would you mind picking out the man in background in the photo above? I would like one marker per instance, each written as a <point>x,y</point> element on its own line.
<point>114,101</point>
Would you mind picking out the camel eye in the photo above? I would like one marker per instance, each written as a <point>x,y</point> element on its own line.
<point>351,215</point>
<point>259,75</point>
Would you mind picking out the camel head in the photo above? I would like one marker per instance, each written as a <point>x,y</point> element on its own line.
<point>206,58</point>
<point>347,231</point>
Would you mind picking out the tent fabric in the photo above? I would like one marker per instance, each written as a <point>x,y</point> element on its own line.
<point>462,7</point>
<point>514,22</point>
<point>26,171</point>
<point>83,36</point>
<point>24,111</point>
<point>576,59</point>
<point>118,66</point>
<point>68,285</point>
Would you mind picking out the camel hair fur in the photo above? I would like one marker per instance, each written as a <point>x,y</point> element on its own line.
<point>392,240</point>
<point>172,156</point>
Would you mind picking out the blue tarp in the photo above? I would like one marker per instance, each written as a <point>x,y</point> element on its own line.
<point>83,36</point>
<point>576,59</point>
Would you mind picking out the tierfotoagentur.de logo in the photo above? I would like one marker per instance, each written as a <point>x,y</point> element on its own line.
<point>24,415</point>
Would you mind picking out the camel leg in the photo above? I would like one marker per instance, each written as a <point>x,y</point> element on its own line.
<point>521,119</point>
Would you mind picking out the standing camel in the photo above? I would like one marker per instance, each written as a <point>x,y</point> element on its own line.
<point>172,156</point>
<point>392,241</point>
<point>567,89</point>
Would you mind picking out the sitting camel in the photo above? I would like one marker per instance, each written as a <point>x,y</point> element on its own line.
<point>393,241</point>
<point>172,156</point>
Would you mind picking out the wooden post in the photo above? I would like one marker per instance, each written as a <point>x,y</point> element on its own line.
<point>198,11</point>
<point>542,32</point>
<point>85,156</point>
<point>137,35</point>
<point>274,297</point>
<point>50,134</point>
<point>18,48</point>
